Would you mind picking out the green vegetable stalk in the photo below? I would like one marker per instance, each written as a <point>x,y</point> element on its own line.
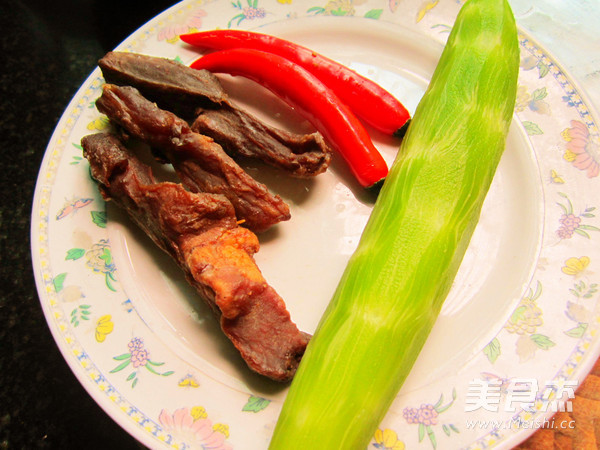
<point>395,283</point>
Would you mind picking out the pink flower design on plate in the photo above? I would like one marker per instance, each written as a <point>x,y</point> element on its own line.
<point>183,426</point>
<point>250,12</point>
<point>428,415</point>
<point>254,13</point>
<point>139,357</point>
<point>571,223</point>
<point>411,415</point>
<point>583,149</point>
<point>135,344</point>
<point>193,23</point>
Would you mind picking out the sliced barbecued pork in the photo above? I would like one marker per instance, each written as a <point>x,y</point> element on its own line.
<point>200,232</point>
<point>201,164</point>
<point>198,94</point>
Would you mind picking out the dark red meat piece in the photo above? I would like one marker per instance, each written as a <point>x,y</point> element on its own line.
<point>198,94</point>
<point>200,232</point>
<point>201,163</point>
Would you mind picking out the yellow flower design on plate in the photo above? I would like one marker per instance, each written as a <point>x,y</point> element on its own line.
<point>104,327</point>
<point>388,440</point>
<point>99,124</point>
<point>188,381</point>
<point>425,8</point>
<point>221,428</point>
<point>198,412</point>
<point>556,178</point>
<point>576,266</point>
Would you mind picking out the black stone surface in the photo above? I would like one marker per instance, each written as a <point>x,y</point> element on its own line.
<point>48,48</point>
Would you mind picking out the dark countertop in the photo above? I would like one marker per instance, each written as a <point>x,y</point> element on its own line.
<point>48,49</point>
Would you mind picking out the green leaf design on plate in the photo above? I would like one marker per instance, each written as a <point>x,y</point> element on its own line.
<point>316,10</point>
<point>518,314</point>
<point>432,437</point>
<point>255,404</point>
<point>492,350</point>
<point>539,94</point>
<point>339,12</point>
<point>373,14</point>
<point>99,218</point>
<point>532,128</point>
<point>543,69</point>
<point>542,341</point>
<point>106,256</point>
<point>578,331</point>
<point>580,232</point>
<point>439,408</point>
<point>59,281</point>
<point>108,280</point>
<point>121,366</point>
<point>155,363</point>
<point>150,369</point>
<point>74,319</point>
<point>74,254</point>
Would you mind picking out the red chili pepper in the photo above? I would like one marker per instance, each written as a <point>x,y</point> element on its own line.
<point>312,99</point>
<point>369,101</point>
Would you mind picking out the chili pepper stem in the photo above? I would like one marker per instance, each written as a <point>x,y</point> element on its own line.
<point>401,132</point>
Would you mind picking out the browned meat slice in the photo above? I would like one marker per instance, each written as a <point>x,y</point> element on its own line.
<point>172,85</point>
<point>186,91</point>
<point>240,133</point>
<point>200,232</point>
<point>201,163</point>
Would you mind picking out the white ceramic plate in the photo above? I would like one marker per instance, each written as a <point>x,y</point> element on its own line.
<point>523,310</point>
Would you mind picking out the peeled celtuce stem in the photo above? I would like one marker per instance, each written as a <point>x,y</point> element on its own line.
<point>395,283</point>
